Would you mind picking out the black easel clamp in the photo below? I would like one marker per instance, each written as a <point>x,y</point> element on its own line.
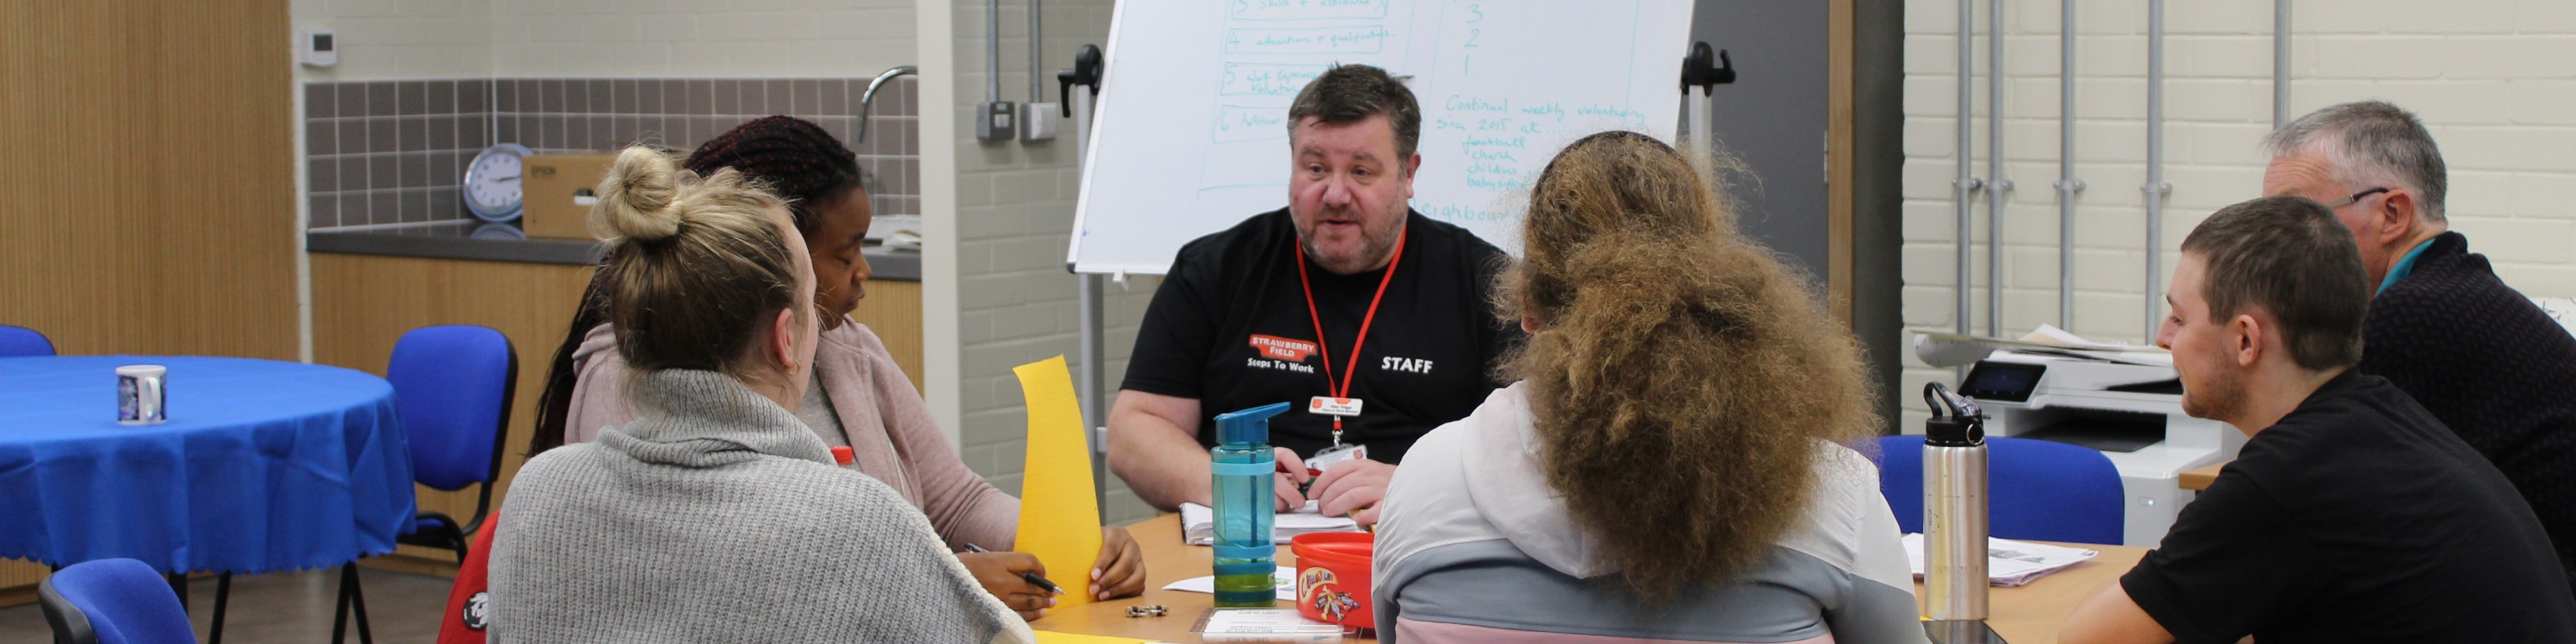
<point>1085,72</point>
<point>1706,69</point>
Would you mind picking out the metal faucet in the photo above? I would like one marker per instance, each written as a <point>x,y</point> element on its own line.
<point>859,132</point>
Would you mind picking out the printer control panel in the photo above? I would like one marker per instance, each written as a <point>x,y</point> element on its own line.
<point>1993,380</point>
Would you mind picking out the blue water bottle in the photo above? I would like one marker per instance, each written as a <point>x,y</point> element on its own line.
<point>1242,468</point>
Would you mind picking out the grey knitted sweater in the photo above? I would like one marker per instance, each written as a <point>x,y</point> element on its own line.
<point>717,516</point>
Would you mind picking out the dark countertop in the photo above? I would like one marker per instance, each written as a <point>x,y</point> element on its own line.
<point>476,240</point>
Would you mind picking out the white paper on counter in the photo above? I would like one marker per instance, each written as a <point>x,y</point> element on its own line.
<point>2009,563</point>
<point>1285,581</point>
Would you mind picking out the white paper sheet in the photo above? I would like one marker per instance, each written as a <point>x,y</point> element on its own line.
<point>1285,581</point>
<point>1265,625</point>
<point>2009,563</point>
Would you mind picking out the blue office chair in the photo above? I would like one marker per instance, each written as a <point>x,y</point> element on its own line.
<point>113,601</point>
<point>2036,490</point>
<point>453,386</point>
<point>23,342</point>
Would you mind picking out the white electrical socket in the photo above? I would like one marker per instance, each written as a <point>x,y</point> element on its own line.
<point>1037,122</point>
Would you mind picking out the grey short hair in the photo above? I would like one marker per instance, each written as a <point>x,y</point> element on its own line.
<point>2370,142</point>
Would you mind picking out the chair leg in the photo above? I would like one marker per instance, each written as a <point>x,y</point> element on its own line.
<point>223,592</point>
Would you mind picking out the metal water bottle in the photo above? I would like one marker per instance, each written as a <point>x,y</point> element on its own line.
<point>1954,507</point>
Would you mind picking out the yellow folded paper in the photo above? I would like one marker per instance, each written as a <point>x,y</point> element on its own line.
<point>1059,512</point>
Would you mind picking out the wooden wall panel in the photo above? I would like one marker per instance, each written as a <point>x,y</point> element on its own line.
<point>151,206</point>
<point>893,311</point>
<point>362,304</point>
<point>1841,154</point>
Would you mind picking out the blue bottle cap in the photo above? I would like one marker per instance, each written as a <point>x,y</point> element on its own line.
<point>1249,425</point>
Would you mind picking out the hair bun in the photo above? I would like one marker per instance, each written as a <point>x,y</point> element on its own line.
<point>635,196</point>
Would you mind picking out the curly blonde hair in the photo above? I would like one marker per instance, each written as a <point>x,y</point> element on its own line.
<point>1681,376</point>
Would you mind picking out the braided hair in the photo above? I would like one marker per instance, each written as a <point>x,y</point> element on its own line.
<point>793,157</point>
<point>790,157</point>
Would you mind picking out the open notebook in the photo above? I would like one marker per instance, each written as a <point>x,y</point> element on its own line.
<point>1198,524</point>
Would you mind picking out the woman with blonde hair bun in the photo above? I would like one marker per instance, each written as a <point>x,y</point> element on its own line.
<point>716,515</point>
<point>1670,466</point>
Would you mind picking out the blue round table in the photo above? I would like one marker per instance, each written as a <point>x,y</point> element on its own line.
<point>263,465</point>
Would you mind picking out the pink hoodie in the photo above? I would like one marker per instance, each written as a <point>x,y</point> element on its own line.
<point>877,407</point>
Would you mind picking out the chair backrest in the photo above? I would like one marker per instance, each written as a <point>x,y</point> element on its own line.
<point>2035,490</point>
<point>113,601</point>
<point>453,385</point>
<point>22,342</point>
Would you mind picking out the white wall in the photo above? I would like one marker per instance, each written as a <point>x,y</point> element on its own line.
<point>735,39</point>
<point>2495,81</point>
<point>402,39</point>
<point>1015,301</point>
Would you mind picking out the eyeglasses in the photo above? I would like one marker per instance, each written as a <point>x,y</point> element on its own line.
<point>2346,201</point>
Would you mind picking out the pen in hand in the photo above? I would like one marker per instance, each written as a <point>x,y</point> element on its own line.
<point>1032,578</point>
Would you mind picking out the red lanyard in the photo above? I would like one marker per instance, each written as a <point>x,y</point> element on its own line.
<point>1343,390</point>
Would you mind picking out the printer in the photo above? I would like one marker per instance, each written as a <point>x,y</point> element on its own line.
<point>2126,404</point>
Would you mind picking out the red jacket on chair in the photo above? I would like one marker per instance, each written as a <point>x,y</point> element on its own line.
<point>466,612</point>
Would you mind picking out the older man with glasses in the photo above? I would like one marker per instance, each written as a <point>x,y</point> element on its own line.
<point>2484,359</point>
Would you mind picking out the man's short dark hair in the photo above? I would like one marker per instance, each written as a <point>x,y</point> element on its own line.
<point>2288,256</point>
<point>1352,93</point>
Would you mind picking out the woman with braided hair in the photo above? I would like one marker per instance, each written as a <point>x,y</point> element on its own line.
<point>1668,468</point>
<point>859,397</point>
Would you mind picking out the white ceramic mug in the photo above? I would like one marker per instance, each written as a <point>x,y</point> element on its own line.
<point>140,394</point>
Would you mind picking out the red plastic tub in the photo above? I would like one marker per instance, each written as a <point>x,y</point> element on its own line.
<point>1333,577</point>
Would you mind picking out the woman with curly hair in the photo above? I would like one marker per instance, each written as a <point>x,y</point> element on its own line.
<point>1670,466</point>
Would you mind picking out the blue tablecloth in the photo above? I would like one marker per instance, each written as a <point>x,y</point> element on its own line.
<point>263,465</point>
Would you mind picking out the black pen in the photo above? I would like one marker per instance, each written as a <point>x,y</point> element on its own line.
<point>1031,576</point>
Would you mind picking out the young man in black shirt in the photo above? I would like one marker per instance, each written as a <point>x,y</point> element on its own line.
<point>2352,515</point>
<point>1371,319</point>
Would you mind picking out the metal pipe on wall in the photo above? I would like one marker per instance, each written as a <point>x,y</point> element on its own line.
<point>993,51</point>
<point>2067,185</point>
<point>1037,60</point>
<point>1999,188</point>
<point>2155,187</point>
<point>1965,187</point>
<point>2280,63</point>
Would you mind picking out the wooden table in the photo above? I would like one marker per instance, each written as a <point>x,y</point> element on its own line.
<point>2026,615</point>
<point>2198,478</point>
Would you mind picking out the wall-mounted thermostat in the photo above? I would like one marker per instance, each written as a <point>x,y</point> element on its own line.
<point>317,48</point>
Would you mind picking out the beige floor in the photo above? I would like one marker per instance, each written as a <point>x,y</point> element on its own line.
<point>288,607</point>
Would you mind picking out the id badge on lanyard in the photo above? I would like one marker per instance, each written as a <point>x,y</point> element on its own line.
<point>1325,460</point>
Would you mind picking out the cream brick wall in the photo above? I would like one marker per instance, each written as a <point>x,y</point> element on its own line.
<point>402,39</point>
<point>2495,80</point>
<point>1015,301</point>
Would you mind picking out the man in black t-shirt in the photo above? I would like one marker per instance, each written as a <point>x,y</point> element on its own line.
<point>2352,515</point>
<point>1371,320</point>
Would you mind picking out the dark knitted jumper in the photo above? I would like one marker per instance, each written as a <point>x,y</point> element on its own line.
<point>2492,366</point>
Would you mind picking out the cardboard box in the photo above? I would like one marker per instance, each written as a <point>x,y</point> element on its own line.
<point>558,188</point>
